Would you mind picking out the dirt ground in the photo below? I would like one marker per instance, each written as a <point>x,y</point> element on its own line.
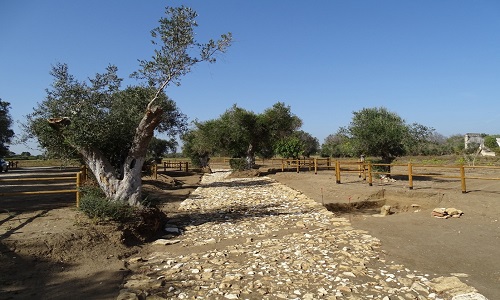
<point>467,247</point>
<point>48,250</point>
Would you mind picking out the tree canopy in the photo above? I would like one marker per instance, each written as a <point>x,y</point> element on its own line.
<point>6,132</point>
<point>241,133</point>
<point>380,133</point>
<point>110,128</point>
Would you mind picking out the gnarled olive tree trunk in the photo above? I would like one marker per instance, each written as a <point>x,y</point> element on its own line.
<point>129,188</point>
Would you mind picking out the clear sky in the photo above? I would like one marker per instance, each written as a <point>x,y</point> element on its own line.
<point>436,63</point>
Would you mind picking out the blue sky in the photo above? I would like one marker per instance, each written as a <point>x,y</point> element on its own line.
<point>436,63</point>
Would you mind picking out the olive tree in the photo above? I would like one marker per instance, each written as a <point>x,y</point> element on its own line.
<point>378,132</point>
<point>6,132</point>
<point>337,145</point>
<point>111,128</point>
<point>242,133</point>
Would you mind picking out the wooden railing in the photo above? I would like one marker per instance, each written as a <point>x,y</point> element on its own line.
<point>366,170</point>
<point>78,178</point>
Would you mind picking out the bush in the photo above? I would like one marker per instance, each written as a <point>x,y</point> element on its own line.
<point>96,206</point>
<point>238,164</point>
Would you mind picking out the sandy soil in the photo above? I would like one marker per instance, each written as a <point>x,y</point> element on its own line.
<point>468,247</point>
<point>48,250</point>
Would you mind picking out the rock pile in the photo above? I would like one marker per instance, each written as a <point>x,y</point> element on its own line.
<point>254,238</point>
<point>445,213</point>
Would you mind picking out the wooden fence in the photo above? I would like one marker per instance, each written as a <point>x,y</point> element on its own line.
<point>367,170</point>
<point>78,178</point>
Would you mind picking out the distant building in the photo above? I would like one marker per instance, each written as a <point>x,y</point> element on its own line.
<point>478,139</point>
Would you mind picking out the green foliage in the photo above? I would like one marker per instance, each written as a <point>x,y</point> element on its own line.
<point>241,133</point>
<point>238,164</point>
<point>95,205</point>
<point>175,41</point>
<point>108,125</point>
<point>100,116</point>
<point>158,148</point>
<point>289,147</point>
<point>378,132</point>
<point>490,141</point>
<point>310,144</point>
<point>419,140</point>
<point>6,132</point>
<point>337,145</point>
<point>454,144</point>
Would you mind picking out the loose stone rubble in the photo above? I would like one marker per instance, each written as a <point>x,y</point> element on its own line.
<point>446,213</point>
<point>255,238</point>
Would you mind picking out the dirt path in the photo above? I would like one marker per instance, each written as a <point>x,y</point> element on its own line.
<point>48,251</point>
<point>468,246</point>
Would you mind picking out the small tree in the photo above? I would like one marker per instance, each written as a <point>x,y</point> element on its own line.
<point>378,132</point>
<point>337,145</point>
<point>289,147</point>
<point>491,143</point>
<point>454,144</point>
<point>471,153</point>
<point>242,133</point>
<point>310,144</point>
<point>6,132</point>
<point>419,139</point>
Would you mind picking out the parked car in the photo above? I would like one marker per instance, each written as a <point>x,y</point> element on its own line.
<point>4,165</point>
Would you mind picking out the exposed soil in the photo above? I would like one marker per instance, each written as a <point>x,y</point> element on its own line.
<point>49,250</point>
<point>468,247</point>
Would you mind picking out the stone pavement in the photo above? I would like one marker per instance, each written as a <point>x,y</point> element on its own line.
<point>254,238</point>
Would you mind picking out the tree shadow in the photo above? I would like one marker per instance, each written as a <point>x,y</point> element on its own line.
<point>24,277</point>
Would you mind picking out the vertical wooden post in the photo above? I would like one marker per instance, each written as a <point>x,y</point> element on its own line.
<point>410,176</point>
<point>315,166</point>
<point>337,171</point>
<point>462,177</point>
<point>83,169</point>
<point>370,177</point>
<point>78,183</point>
<point>282,165</point>
<point>186,164</point>
<point>362,164</point>
<point>155,170</point>
<point>298,165</point>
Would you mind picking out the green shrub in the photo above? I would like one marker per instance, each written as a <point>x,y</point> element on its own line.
<point>238,164</point>
<point>96,206</point>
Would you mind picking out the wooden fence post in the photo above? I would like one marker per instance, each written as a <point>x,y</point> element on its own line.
<point>187,166</point>
<point>337,170</point>
<point>315,166</point>
<point>410,176</point>
<point>78,183</point>
<point>370,178</point>
<point>462,177</point>
<point>282,165</point>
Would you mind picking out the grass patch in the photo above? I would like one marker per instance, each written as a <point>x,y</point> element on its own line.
<point>96,206</point>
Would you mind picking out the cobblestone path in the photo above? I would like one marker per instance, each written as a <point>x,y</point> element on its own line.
<point>254,238</point>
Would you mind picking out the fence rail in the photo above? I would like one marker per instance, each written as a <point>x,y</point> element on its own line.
<point>366,170</point>
<point>78,178</point>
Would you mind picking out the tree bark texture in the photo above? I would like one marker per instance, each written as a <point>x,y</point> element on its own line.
<point>129,188</point>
